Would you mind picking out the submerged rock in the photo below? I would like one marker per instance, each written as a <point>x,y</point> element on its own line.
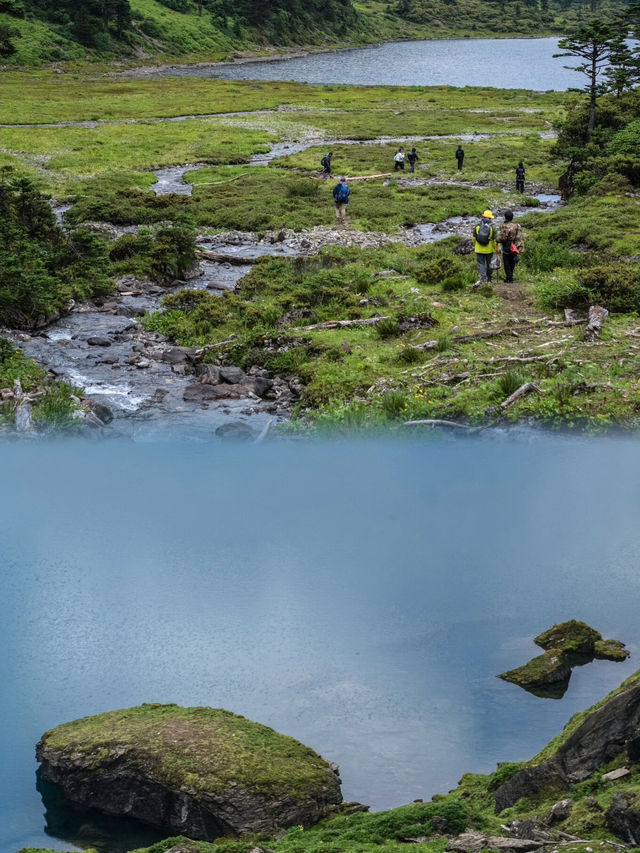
<point>201,772</point>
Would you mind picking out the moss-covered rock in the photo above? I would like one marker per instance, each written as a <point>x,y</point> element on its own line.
<point>572,636</point>
<point>610,650</point>
<point>202,772</point>
<point>551,668</point>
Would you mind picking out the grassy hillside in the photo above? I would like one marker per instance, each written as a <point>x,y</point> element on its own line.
<point>174,30</point>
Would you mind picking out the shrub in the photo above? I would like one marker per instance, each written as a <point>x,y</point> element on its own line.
<point>438,270</point>
<point>409,355</point>
<point>393,404</point>
<point>508,383</point>
<point>614,286</point>
<point>454,282</point>
<point>387,328</point>
<point>543,255</point>
<point>303,188</point>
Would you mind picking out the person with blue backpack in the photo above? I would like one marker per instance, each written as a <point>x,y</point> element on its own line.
<point>341,193</point>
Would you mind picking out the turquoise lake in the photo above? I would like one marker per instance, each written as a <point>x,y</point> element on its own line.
<point>360,596</point>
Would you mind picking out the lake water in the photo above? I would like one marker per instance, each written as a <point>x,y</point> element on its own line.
<point>503,63</point>
<point>359,596</point>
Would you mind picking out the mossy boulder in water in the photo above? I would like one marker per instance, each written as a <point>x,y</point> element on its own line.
<point>551,668</point>
<point>201,772</point>
<point>573,637</point>
<point>566,645</point>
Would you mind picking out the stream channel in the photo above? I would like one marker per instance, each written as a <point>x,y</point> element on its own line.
<point>138,375</point>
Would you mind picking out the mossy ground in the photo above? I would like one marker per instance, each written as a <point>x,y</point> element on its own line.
<point>202,748</point>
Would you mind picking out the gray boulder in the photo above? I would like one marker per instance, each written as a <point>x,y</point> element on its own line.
<point>623,818</point>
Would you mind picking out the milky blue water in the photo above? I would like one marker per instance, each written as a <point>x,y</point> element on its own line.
<point>503,63</point>
<point>361,597</point>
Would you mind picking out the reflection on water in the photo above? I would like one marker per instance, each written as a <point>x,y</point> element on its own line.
<point>504,63</point>
<point>359,596</point>
<point>90,829</point>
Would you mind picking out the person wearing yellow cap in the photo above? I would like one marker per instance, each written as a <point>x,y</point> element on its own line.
<point>485,245</point>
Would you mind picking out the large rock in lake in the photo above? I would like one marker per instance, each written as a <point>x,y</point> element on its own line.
<point>200,772</point>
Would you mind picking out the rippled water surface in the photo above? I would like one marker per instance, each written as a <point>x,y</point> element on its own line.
<point>503,63</point>
<point>361,597</point>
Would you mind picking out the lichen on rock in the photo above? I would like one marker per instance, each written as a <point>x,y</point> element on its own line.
<point>201,772</point>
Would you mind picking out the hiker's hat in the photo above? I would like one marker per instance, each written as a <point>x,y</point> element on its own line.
<point>488,215</point>
<point>343,180</point>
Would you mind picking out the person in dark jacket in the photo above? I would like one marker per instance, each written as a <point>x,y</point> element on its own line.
<point>412,156</point>
<point>511,242</point>
<point>520,173</point>
<point>460,157</point>
<point>326,164</point>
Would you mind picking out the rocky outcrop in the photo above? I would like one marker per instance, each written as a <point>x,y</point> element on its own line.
<point>589,741</point>
<point>623,817</point>
<point>198,772</point>
<point>565,645</point>
<point>473,842</point>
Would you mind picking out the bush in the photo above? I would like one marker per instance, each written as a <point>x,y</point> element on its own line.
<point>387,328</point>
<point>438,270</point>
<point>393,404</point>
<point>509,383</point>
<point>614,286</point>
<point>543,255</point>
<point>454,282</point>
<point>303,188</point>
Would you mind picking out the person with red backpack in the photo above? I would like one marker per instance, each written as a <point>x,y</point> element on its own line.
<point>485,245</point>
<point>512,243</point>
<point>341,193</point>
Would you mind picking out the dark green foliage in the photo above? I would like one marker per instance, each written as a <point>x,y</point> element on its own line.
<point>7,35</point>
<point>387,328</point>
<point>172,253</point>
<point>614,286</point>
<point>508,383</point>
<point>285,21</point>
<point>41,267</point>
<point>504,772</point>
<point>438,270</point>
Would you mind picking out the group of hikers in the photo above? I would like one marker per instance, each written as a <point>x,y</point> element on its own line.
<point>493,246</point>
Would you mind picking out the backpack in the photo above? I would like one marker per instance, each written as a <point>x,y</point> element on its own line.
<point>341,193</point>
<point>325,162</point>
<point>520,173</point>
<point>484,232</point>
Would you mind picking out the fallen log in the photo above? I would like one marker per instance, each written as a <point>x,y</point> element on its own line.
<point>597,316</point>
<point>224,258</point>
<point>522,359</point>
<point>522,391</point>
<point>435,423</point>
<point>341,324</point>
<point>199,353</point>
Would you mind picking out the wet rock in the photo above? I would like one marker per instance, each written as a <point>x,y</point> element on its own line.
<point>209,374</point>
<point>232,375</point>
<point>102,412</point>
<point>201,393</point>
<point>143,364</point>
<point>97,341</point>
<point>465,247</point>
<point>560,811</point>
<point>622,818</point>
<point>236,431</point>
<point>155,763</point>
<point>177,355</point>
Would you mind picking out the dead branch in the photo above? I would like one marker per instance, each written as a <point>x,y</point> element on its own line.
<point>522,391</point>
<point>224,258</point>
<point>435,423</point>
<point>597,316</point>
<point>341,324</point>
<point>522,360</point>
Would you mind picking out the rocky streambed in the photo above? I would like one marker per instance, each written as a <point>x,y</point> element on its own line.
<point>136,383</point>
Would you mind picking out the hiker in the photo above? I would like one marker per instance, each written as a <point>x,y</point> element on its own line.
<point>520,172</point>
<point>326,164</point>
<point>460,157</point>
<point>398,160</point>
<point>341,193</point>
<point>485,246</point>
<point>412,156</point>
<point>511,241</point>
